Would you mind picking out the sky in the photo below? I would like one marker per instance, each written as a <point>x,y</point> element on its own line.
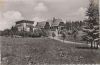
<point>39,10</point>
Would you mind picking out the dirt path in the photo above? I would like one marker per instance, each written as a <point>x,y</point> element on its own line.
<point>56,38</point>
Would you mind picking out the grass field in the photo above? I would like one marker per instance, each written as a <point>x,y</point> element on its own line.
<point>71,38</point>
<point>23,51</point>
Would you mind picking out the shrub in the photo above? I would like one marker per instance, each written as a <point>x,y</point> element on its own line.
<point>53,35</point>
<point>63,36</point>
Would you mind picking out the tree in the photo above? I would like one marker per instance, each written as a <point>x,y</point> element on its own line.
<point>74,33</point>
<point>37,33</point>
<point>67,25</point>
<point>47,25</point>
<point>92,24</point>
<point>63,36</point>
<point>53,35</point>
<point>44,33</point>
<point>14,30</point>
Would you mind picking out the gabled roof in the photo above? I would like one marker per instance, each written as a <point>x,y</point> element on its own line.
<point>41,24</point>
<point>56,22</point>
<point>24,21</point>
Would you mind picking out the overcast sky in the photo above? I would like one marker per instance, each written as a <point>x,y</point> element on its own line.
<point>13,10</point>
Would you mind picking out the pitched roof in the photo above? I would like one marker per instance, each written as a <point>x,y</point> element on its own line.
<point>41,24</point>
<point>25,21</point>
<point>56,22</point>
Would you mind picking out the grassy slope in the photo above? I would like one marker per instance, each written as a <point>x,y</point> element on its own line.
<point>78,38</point>
<point>20,51</point>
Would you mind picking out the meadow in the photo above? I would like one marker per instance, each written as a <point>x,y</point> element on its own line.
<point>23,51</point>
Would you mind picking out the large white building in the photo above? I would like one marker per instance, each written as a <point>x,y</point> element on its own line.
<point>25,25</point>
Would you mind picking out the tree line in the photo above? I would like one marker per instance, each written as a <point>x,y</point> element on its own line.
<point>74,25</point>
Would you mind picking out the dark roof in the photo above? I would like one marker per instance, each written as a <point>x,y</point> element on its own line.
<point>61,24</point>
<point>25,21</point>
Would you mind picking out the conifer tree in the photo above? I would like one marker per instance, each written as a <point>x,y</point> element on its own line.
<point>92,24</point>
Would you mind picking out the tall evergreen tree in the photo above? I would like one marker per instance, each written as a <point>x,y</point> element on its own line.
<point>92,24</point>
<point>47,25</point>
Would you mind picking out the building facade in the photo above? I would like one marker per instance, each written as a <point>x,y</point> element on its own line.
<point>25,25</point>
<point>57,24</point>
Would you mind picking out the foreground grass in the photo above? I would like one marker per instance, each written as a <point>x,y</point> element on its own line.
<point>22,51</point>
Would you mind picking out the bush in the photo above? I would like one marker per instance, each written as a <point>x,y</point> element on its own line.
<point>53,35</point>
<point>36,33</point>
<point>44,33</point>
<point>63,36</point>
